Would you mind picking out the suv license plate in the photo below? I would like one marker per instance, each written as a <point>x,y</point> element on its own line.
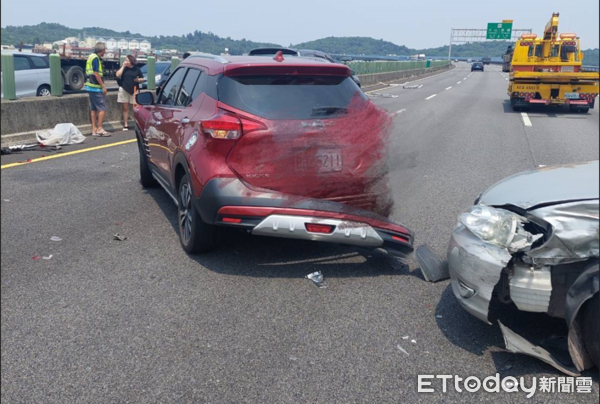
<point>572,96</point>
<point>324,160</point>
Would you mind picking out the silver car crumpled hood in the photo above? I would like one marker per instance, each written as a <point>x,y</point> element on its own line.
<point>575,235</point>
<point>548,185</point>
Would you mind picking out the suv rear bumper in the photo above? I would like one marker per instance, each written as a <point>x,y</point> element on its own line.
<point>228,202</point>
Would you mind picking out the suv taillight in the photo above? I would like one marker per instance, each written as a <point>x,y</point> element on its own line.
<point>227,125</point>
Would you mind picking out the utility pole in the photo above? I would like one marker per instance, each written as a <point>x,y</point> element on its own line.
<point>450,48</point>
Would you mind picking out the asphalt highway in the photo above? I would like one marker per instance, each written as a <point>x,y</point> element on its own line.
<point>89,319</point>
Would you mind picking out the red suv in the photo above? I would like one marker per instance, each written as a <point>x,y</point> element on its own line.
<point>280,147</point>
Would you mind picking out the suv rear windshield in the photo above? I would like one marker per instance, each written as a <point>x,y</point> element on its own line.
<point>291,97</point>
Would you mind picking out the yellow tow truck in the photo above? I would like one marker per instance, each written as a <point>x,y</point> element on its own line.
<point>549,71</point>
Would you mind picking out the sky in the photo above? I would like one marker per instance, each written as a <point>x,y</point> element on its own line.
<point>416,24</point>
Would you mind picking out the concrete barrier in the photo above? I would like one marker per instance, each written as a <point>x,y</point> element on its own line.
<point>374,79</point>
<point>21,118</point>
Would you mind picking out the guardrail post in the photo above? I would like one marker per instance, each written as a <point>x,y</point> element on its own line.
<point>56,80</point>
<point>8,76</point>
<point>151,73</point>
<point>174,63</point>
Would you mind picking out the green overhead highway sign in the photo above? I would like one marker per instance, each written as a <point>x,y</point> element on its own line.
<point>500,30</point>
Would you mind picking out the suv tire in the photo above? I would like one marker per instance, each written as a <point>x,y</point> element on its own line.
<point>195,235</point>
<point>591,334</point>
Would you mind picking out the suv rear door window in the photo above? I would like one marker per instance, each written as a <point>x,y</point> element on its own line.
<point>171,88</point>
<point>291,97</point>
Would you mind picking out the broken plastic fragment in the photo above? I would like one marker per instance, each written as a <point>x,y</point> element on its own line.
<point>413,341</point>
<point>35,257</point>
<point>47,257</point>
<point>439,316</point>
<point>406,337</point>
<point>523,240</point>
<point>517,344</point>
<point>317,278</point>
<point>118,237</point>
<point>6,200</point>
<point>402,350</point>
<point>55,238</point>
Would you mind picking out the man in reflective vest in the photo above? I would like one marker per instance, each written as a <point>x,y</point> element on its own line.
<point>96,89</point>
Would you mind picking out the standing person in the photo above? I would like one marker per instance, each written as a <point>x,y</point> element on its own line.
<point>129,76</point>
<point>96,89</point>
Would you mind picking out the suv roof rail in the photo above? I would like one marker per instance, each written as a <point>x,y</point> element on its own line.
<point>216,58</point>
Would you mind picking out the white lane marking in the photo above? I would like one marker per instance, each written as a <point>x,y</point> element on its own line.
<point>526,121</point>
<point>460,82</point>
<point>465,78</point>
<point>400,111</point>
<point>430,97</point>
<point>448,88</point>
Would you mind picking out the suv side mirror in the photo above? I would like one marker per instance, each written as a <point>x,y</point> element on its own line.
<point>145,98</point>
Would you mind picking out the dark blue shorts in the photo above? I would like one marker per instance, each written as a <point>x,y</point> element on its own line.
<point>97,101</point>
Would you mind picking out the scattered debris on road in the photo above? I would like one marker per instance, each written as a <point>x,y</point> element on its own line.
<point>55,238</point>
<point>405,337</point>
<point>35,257</point>
<point>49,257</point>
<point>317,278</point>
<point>383,95</point>
<point>118,237</point>
<point>402,350</point>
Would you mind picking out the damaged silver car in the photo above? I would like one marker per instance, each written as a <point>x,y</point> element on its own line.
<point>532,240</point>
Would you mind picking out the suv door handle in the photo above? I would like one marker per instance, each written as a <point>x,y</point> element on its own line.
<point>185,121</point>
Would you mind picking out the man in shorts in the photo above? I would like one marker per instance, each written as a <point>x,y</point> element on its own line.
<point>96,89</point>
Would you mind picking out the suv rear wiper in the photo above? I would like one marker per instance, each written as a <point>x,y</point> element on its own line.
<point>328,111</point>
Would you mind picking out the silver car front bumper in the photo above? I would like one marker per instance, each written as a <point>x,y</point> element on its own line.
<point>475,269</point>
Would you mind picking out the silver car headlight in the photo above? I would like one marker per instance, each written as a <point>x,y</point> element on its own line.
<point>495,226</point>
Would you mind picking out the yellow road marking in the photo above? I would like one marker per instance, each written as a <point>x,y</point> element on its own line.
<point>56,156</point>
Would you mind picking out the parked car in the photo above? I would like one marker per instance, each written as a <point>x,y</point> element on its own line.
<point>161,68</point>
<point>532,240</point>
<point>32,75</point>
<point>305,53</point>
<point>270,146</point>
<point>477,66</point>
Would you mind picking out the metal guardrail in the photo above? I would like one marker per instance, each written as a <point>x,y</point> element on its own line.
<point>56,81</point>
<point>360,67</point>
